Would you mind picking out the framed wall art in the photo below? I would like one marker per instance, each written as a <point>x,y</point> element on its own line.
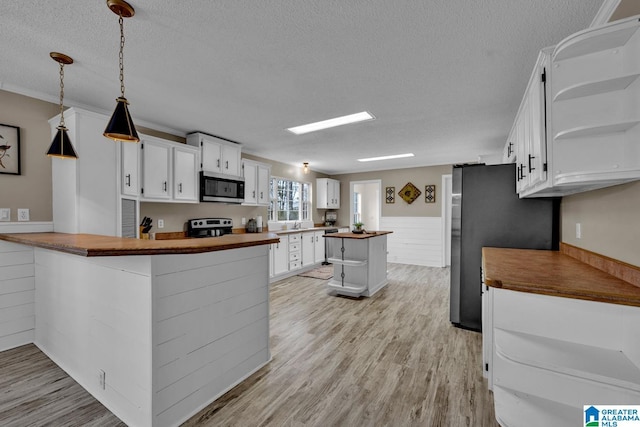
<point>430,193</point>
<point>9,149</point>
<point>390,195</point>
<point>409,193</point>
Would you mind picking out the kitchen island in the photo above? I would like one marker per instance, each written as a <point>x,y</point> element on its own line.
<point>155,330</point>
<point>360,263</point>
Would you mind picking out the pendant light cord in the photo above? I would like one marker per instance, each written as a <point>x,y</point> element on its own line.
<point>121,56</point>
<point>61,94</point>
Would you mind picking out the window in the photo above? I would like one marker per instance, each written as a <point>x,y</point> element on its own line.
<point>290,200</point>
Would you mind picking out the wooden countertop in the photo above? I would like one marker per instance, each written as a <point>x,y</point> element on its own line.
<point>350,235</point>
<point>553,273</point>
<point>91,245</point>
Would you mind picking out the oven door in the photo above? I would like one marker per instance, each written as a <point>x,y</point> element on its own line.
<point>221,188</point>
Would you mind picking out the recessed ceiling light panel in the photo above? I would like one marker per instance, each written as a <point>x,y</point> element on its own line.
<point>395,156</point>
<point>337,121</point>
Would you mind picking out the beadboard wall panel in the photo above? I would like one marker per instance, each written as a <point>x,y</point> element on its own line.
<point>17,295</point>
<point>415,240</point>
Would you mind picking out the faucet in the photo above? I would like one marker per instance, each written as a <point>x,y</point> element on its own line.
<point>297,225</point>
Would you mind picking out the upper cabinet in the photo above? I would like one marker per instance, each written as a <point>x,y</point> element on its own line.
<point>256,182</point>
<point>328,191</point>
<point>577,127</point>
<point>217,155</point>
<point>130,169</point>
<point>169,171</point>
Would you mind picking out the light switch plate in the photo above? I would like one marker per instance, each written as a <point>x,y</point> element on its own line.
<point>5,214</point>
<point>23,214</point>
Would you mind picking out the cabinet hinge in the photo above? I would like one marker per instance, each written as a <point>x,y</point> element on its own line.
<point>142,146</point>
<point>543,77</point>
<point>142,191</point>
<point>544,167</point>
<point>486,367</point>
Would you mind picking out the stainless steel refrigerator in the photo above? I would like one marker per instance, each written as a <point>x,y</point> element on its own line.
<point>486,211</point>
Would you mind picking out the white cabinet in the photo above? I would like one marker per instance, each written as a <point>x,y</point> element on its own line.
<point>256,182</point>
<point>86,192</point>
<point>280,257</point>
<point>308,248</point>
<point>295,251</point>
<point>554,364</point>
<point>169,171</point>
<point>318,246</point>
<point>528,138</point>
<point>328,191</point>
<point>592,114</point>
<point>185,173</point>
<point>130,169</point>
<point>217,155</point>
<point>156,169</point>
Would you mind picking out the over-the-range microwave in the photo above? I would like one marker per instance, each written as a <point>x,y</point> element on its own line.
<point>215,187</point>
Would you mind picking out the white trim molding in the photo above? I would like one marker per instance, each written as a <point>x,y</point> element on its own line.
<point>26,227</point>
<point>605,12</point>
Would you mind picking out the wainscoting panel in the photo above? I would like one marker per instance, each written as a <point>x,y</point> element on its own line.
<point>17,295</point>
<point>415,240</point>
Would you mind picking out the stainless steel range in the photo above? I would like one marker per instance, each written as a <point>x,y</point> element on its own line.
<point>209,227</point>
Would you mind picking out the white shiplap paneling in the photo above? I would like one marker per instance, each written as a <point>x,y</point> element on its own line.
<point>415,240</point>
<point>17,295</point>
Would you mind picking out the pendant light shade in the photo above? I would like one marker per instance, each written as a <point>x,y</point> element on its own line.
<point>305,167</point>
<point>120,126</point>
<point>61,146</point>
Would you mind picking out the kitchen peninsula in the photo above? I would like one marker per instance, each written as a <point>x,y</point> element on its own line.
<point>155,330</point>
<point>360,263</point>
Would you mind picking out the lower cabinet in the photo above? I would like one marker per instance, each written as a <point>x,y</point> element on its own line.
<point>279,261</point>
<point>318,246</point>
<point>308,248</point>
<point>549,355</point>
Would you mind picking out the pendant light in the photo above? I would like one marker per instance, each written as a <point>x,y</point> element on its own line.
<point>61,146</point>
<point>120,126</point>
<point>305,167</point>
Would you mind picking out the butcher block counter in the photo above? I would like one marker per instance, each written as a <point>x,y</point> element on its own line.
<point>155,330</point>
<point>91,245</point>
<point>558,333</point>
<point>556,274</point>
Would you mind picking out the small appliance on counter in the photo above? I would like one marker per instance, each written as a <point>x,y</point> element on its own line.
<point>330,218</point>
<point>252,226</point>
<point>209,227</point>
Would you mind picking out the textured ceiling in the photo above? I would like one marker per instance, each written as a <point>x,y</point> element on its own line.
<point>444,78</point>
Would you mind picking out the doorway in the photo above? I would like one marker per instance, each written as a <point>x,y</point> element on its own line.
<point>364,205</point>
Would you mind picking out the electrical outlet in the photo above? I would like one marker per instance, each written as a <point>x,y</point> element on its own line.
<point>161,223</point>
<point>578,230</point>
<point>102,379</point>
<point>5,214</point>
<point>23,214</point>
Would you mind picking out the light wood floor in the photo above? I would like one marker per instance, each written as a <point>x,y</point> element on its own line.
<point>390,360</point>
